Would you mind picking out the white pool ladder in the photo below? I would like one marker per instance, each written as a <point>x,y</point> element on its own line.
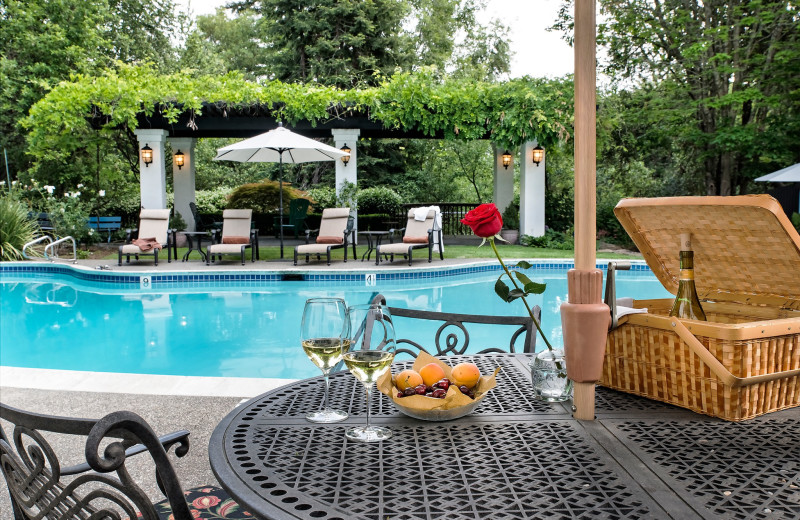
<point>49,247</point>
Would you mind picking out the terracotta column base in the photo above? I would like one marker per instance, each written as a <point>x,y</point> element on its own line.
<point>585,321</point>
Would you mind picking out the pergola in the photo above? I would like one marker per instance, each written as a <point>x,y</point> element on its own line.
<point>247,121</point>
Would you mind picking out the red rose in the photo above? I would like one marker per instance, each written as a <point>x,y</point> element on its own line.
<point>485,220</point>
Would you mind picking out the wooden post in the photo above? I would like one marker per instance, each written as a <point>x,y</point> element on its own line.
<point>585,318</point>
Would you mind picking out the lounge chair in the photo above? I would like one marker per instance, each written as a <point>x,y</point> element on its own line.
<point>335,231</point>
<point>202,223</point>
<point>295,221</point>
<point>153,234</point>
<point>237,236</point>
<point>418,234</point>
<point>41,484</point>
<point>453,327</point>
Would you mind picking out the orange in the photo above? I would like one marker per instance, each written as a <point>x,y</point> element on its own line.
<point>431,373</point>
<point>408,378</point>
<point>465,374</point>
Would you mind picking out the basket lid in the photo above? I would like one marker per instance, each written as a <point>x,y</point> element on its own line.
<point>745,248</point>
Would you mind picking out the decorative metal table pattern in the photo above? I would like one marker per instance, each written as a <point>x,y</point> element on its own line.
<point>513,458</point>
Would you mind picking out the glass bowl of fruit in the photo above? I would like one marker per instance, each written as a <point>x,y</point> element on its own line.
<point>433,391</point>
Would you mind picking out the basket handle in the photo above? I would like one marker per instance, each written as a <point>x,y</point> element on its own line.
<point>714,364</point>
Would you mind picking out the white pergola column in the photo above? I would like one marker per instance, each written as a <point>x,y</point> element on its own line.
<point>347,172</point>
<point>152,177</point>
<point>531,192</point>
<point>183,178</point>
<point>503,193</point>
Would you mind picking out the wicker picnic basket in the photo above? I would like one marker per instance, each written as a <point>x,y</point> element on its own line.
<point>745,360</point>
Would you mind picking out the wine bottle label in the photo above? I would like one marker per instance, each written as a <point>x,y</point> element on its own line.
<point>687,274</point>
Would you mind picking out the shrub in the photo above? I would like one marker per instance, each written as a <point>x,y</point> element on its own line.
<point>796,220</point>
<point>16,229</point>
<point>324,197</point>
<point>379,199</point>
<point>551,240</point>
<point>212,201</point>
<point>263,197</point>
<point>511,217</point>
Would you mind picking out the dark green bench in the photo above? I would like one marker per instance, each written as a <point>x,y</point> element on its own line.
<point>109,224</point>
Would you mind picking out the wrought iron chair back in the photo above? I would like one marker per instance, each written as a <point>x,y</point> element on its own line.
<point>447,340</point>
<point>100,488</point>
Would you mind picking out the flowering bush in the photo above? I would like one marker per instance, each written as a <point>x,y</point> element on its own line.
<point>486,222</point>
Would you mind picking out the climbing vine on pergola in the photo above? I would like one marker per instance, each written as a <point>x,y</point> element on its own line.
<point>509,113</point>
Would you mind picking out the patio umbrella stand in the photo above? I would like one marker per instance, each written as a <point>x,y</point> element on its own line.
<point>279,145</point>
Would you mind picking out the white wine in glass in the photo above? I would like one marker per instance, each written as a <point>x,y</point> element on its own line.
<point>372,348</point>
<point>324,335</point>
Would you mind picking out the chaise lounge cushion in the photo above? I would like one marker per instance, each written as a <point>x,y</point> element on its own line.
<point>235,240</point>
<point>330,240</point>
<point>415,240</point>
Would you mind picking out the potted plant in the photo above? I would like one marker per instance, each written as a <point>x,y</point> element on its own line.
<point>510,231</point>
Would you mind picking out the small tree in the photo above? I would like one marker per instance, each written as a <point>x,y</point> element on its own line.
<point>263,197</point>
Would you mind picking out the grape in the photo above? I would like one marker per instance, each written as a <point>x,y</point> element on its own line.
<point>439,393</point>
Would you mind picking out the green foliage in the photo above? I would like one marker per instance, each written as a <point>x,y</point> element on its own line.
<point>379,199</point>
<point>263,197</point>
<point>331,42</point>
<point>511,112</point>
<point>16,229</point>
<point>528,286</point>
<point>176,221</point>
<point>550,240</point>
<point>212,201</point>
<point>511,216</point>
<point>796,220</point>
<point>325,198</point>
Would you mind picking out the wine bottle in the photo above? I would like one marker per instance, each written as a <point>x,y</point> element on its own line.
<point>687,304</point>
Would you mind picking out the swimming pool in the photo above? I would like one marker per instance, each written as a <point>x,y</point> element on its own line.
<point>235,324</point>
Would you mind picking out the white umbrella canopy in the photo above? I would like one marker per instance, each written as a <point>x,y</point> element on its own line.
<point>281,146</point>
<point>788,174</point>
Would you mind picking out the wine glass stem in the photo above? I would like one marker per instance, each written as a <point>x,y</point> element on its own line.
<point>369,393</point>
<point>327,391</point>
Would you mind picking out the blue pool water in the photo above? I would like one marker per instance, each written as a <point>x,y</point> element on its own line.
<point>240,329</point>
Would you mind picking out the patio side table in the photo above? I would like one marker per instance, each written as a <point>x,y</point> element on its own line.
<point>194,239</point>
<point>513,457</point>
<point>373,241</point>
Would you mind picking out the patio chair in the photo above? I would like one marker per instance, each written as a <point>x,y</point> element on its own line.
<point>447,340</point>
<point>40,485</point>
<point>295,221</point>
<point>153,234</point>
<point>418,234</point>
<point>202,223</point>
<point>335,231</point>
<point>237,236</point>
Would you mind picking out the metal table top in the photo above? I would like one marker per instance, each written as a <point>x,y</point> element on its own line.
<point>514,457</point>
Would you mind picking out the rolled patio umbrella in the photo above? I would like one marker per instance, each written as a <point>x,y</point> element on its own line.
<point>280,145</point>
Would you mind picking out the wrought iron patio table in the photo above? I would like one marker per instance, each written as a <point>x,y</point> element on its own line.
<point>514,457</point>
<point>194,239</point>
<point>374,239</point>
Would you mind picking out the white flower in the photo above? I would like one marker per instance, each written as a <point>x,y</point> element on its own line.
<point>49,189</point>
<point>13,183</point>
<point>102,193</point>
<point>91,231</point>
<point>77,194</point>
<point>80,185</point>
<point>62,210</point>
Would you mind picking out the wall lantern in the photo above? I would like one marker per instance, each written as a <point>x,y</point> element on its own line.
<point>147,155</point>
<point>506,159</point>
<point>346,158</point>
<point>537,154</point>
<point>179,159</point>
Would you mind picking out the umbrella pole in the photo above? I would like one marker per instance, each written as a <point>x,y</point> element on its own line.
<point>280,198</point>
<point>585,318</point>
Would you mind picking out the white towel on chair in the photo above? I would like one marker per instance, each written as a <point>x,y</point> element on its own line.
<point>421,213</point>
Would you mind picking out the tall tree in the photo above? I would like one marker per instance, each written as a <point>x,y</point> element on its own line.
<point>728,74</point>
<point>332,42</point>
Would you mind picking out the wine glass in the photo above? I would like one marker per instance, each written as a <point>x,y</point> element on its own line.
<point>324,334</point>
<point>372,348</point>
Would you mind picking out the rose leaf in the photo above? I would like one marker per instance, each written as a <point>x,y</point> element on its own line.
<point>501,289</point>
<point>522,264</point>
<point>535,288</point>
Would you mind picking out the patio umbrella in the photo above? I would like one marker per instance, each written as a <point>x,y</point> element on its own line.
<point>788,174</point>
<point>280,145</point>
